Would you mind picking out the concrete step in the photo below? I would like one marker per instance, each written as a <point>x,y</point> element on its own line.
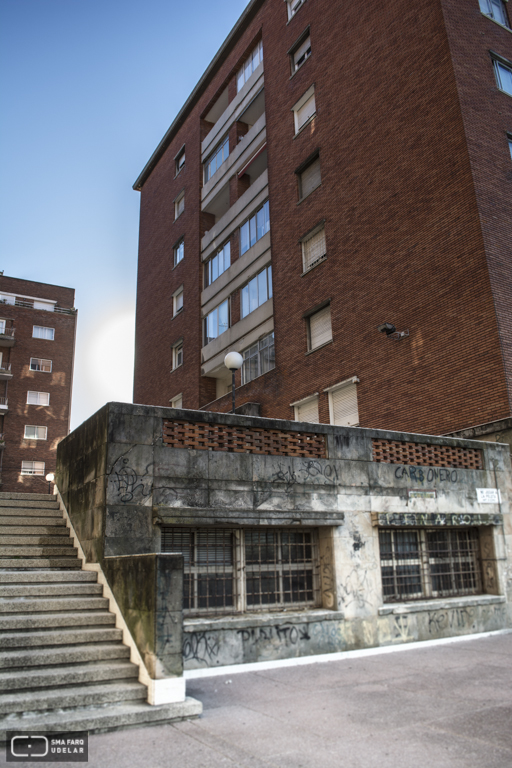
<point>31,520</point>
<point>18,622</point>
<point>72,696</point>
<point>34,551</point>
<point>48,512</point>
<point>52,604</point>
<point>75,654</point>
<point>67,674</point>
<point>50,637</point>
<point>29,496</point>
<point>41,541</point>
<point>47,577</point>
<point>40,562</point>
<point>107,718</point>
<point>52,590</point>
<point>59,529</point>
<point>28,503</point>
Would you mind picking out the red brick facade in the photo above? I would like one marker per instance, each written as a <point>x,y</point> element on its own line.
<point>415,193</point>
<point>16,365</point>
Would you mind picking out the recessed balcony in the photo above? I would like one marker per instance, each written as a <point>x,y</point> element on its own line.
<point>7,337</point>
<point>5,372</point>
<point>3,404</point>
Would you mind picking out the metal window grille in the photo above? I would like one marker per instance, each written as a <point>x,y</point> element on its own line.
<point>238,570</point>
<point>430,562</point>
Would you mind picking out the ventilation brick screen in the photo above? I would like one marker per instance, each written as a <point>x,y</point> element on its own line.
<point>220,437</point>
<point>425,455</point>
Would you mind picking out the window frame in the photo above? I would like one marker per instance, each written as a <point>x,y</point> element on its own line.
<point>497,62</point>
<point>223,555</point>
<point>179,205</point>
<point>206,338</point>
<point>176,310</point>
<point>298,404</point>
<point>331,393</point>
<point>208,174</point>
<point>300,170</point>
<point>34,471</point>
<point>178,248</point>
<point>490,15</point>
<point>298,44</point>
<point>177,355</point>
<point>509,139</point>
<point>177,399</point>
<point>35,437</point>
<point>289,6</point>
<point>320,227</point>
<point>306,97</point>
<point>416,564</point>
<point>308,316</point>
<point>34,392</point>
<point>246,291</point>
<point>247,223</point>
<point>44,328</point>
<point>179,161</point>
<point>41,368</point>
<point>258,355</point>
<point>241,73</point>
<point>208,265</point>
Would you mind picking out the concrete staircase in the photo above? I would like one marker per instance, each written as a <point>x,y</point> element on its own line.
<point>63,666</point>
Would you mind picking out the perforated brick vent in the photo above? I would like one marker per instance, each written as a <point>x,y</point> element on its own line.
<point>425,455</point>
<point>220,437</point>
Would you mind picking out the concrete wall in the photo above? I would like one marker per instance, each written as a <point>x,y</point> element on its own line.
<point>121,483</point>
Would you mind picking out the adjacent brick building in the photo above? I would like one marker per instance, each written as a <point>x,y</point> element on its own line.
<point>37,344</point>
<point>338,166</point>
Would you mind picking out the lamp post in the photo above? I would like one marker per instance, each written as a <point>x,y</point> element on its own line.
<point>50,477</point>
<point>233,361</point>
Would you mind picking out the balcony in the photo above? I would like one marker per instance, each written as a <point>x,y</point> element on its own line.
<point>5,372</point>
<point>46,305</point>
<point>3,404</point>
<point>7,337</point>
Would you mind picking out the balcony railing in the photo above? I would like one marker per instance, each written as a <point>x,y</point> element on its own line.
<point>30,305</point>
<point>3,402</point>
<point>8,331</point>
<point>6,368</point>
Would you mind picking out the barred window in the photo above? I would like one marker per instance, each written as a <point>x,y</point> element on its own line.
<point>430,562</point>
<point>238,570</point>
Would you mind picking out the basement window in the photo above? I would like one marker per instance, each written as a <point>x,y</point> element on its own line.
<point>429,563</point>
<point>234,570</point>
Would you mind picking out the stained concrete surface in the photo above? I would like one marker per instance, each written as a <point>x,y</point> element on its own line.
<point>448,706</point>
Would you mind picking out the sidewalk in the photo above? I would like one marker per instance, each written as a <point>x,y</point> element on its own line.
<point>440,706</point>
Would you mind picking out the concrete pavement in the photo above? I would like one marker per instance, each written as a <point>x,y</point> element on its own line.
<point>446,705</point>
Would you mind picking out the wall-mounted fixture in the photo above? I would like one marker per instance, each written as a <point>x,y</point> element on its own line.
<point>391,332</point>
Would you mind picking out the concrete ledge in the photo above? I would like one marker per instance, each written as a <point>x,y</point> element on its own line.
<point>441,605</point>
<point>260,620</point>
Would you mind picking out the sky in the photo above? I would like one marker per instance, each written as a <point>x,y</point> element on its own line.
<point>87,90</point>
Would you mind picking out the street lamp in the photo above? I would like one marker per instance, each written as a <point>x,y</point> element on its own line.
<point>233,361</point>
<point>50,477</point>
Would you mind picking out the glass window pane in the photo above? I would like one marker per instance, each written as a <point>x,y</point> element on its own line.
<point>252,225</point>
<point>248,69</point>
<point>269,275</point>
<point>240,80</point>
<point>262,287</point>
<point>223,317</point>
<point>245,301</point>
<point>244,237</point>
<point>253,295</point>
<point>215,268</point>
<point>227,255</point>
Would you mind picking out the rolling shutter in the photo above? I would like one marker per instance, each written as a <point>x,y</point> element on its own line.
<point>320,331</point>
<point>344,406</point>
<point>310,178</point>
<point>307,411</point>
<point>314,249</point>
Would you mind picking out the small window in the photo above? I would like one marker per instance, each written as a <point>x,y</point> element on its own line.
<point>179,251</point>
<point>218,264</point>
<point>179,205</point>
<point>309,177</point>
<point>305,109</point>
<point>495,9</point>
<point>319,328</point>
<point>510,144</point>
<point>177,355</point>
<point>257,291</point>
<point>32,467</point>
<point>254,228</point>
<point>177,301</point>
<point>180,160</point>
<point>258,359</point>
<point>38,398</point>
<point>216,322</point>
<point>343,411</point>
<point>38,364</point>
<point>177,402</point>
<point>41,332</point>
<point>503,74</point>
<point>300,52</point>
<point>2,326</point>
<point>307,410</point>
<point>314,248</point>
<point>429,563</point>
<point>293,7</point>
<point>249,66</point>
<point>35,433</point>
<point>214,162</point>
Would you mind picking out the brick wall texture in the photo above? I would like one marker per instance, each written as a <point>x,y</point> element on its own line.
<point>415,193</point>
<point>57,383</point>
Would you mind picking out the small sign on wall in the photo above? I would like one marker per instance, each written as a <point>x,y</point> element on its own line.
<point>419,493</point>
<point>488,496</point>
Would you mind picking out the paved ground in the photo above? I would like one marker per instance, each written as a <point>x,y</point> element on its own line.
<point>444,706</point>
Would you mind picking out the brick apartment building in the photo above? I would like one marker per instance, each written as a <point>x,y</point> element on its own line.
<point>338,166</point>
<point>37,344</point>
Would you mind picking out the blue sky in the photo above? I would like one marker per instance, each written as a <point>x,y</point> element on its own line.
<point>87,90</point>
